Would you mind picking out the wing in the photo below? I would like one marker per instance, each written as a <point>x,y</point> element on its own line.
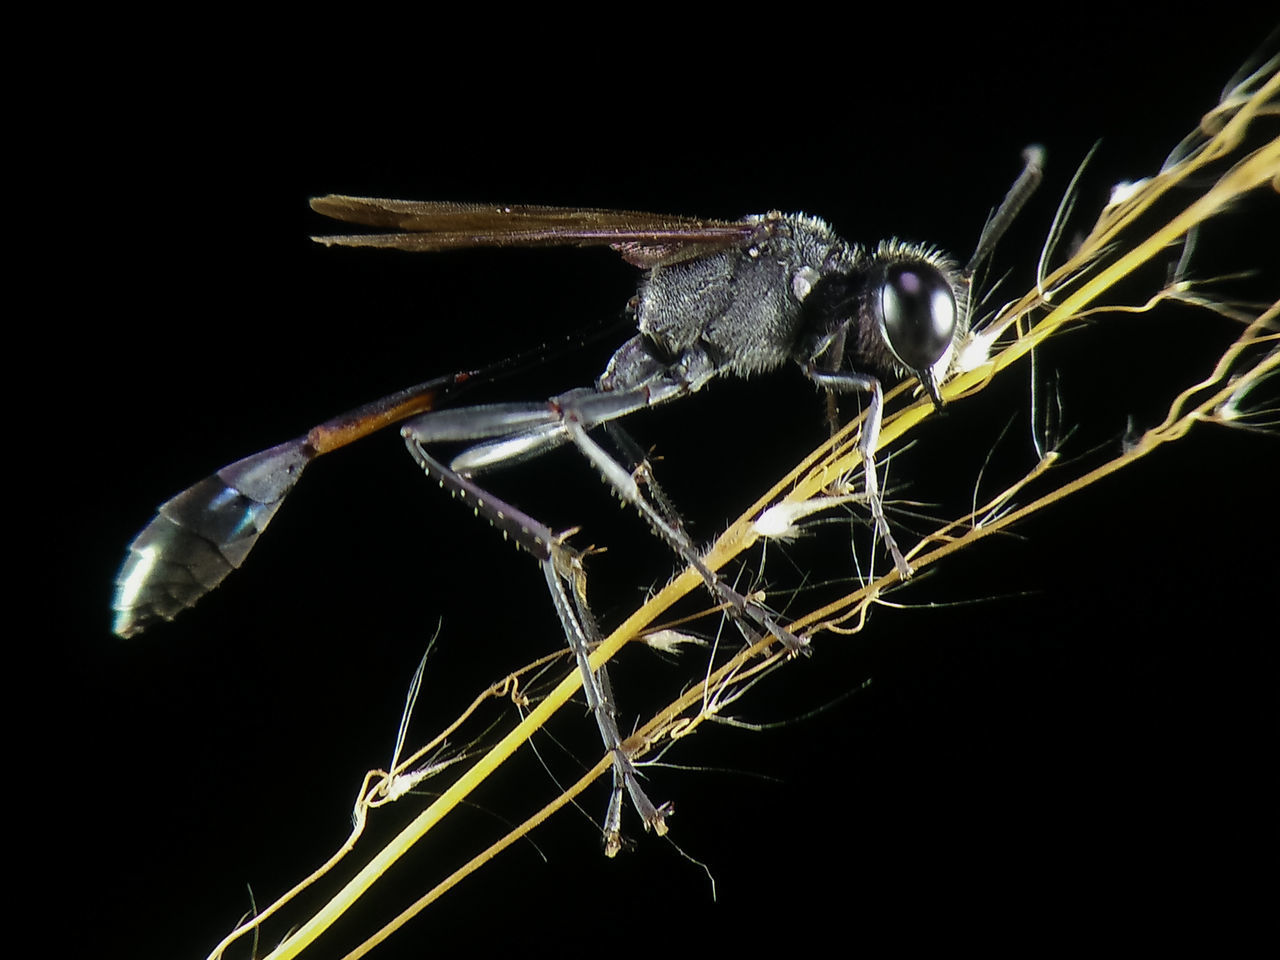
<point>644,239</point>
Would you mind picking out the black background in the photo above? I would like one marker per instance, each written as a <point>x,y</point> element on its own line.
<point>1082,746</point>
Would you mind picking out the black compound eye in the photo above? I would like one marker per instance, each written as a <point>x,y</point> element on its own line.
<point>918,313</point>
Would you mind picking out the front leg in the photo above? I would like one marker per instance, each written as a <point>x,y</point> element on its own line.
<point>868,441</point>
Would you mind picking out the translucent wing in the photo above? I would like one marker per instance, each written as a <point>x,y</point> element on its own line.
<point>644,239</point>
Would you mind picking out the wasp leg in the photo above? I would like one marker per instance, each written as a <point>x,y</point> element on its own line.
<point>748,615</point>
<point>562,566</point>
<point>522,431</point>
<point>868,440</point>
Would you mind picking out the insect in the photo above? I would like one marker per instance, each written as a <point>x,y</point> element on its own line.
<point>718,299</point>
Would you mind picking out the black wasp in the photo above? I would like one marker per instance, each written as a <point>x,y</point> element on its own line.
<point>718,298</point>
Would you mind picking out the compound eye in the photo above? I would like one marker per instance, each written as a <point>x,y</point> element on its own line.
<point>918,313</point>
